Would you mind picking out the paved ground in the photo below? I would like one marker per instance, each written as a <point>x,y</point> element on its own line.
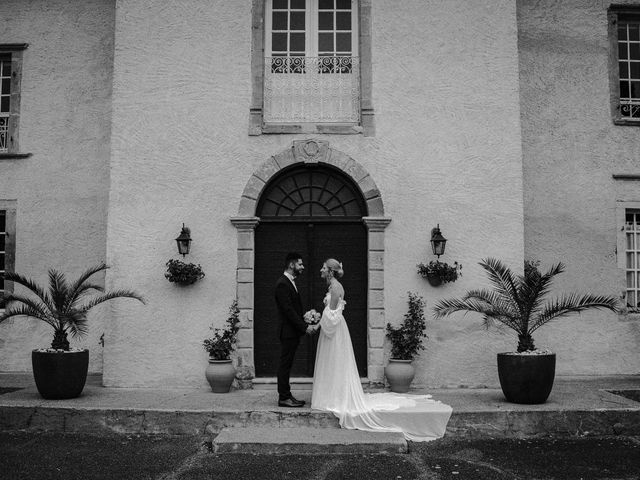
<point>27,455</point>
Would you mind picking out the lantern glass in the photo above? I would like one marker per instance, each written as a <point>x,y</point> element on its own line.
<point>438,242</point>
<point>184,241</point>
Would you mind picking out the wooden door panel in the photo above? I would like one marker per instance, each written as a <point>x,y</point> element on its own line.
<point>346,242</point>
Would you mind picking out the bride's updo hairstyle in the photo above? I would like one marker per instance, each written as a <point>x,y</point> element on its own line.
<point>335,266</point>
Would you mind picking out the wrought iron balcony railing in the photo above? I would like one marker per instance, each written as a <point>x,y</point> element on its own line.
<point>312,89</point>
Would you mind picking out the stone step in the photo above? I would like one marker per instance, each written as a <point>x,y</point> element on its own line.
<point>307,440</point>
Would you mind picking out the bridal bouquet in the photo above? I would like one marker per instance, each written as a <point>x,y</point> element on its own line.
<point>312,317</point>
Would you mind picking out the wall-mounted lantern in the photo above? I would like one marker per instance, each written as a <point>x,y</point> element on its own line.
<point>438,242</point>
<point>184,240</point>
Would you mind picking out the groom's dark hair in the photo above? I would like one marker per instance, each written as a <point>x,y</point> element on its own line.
<point>291,257</point>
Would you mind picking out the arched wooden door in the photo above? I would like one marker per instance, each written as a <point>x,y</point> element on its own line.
<point>316,211</point>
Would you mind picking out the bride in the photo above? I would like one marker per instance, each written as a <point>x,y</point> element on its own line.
<point>337,387</point>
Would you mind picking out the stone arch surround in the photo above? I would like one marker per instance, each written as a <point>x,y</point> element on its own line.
<point>313,151</point>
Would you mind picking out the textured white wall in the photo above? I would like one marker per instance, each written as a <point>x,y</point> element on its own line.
<point>571,148</point>
<point>447,150</point>
<point>62,190</point>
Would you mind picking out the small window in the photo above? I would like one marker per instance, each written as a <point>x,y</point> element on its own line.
<point>7,248</point>
<point>625,64</point>
<point>632,255</point>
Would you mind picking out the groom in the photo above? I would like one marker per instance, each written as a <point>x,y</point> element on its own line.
<point>291,326</point>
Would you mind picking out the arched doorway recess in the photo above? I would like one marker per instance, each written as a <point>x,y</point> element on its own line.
<point>346,195</point>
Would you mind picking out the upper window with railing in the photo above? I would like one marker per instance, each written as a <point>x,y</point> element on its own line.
<point>624,34</point>
<point>311,64</point>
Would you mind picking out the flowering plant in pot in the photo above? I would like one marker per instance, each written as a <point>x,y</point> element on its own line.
<point>183,273</point>
<point>406,341</point>
<point>437,272</point>
<point>60,371</point>
<point>220,371</point>
<point>517,302</point>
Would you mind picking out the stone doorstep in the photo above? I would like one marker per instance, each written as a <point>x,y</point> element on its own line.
<point>305,440</point>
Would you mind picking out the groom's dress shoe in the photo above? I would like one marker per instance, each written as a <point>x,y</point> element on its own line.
<point>301,402</point>
<point>290,402</point>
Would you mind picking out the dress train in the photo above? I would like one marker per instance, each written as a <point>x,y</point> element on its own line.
<point>337,388</point>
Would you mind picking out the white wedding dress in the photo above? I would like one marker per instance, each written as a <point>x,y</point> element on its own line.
<point>337,388</point>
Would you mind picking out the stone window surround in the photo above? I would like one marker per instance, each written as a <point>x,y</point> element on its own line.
<point>613,13</point>
<point>313,151</point>
<point>16,50</point>
<point>256,124</point>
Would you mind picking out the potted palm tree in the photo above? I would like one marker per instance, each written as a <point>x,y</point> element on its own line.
<point>406,342</point>
<point>516,301</point>
<point>220,372</point>
<point>60,371</point>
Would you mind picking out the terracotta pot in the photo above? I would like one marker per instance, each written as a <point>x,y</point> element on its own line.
<point>399,374</point>
<point>526,379</point>
<point>220,375</point>
<point>434,279</point>
<point>60,375</point>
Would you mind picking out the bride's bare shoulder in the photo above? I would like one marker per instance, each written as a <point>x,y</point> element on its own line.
<point>336,289</point>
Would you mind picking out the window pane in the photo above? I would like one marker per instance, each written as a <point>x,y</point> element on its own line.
<point>297,21</point>
<point>631,280</point>
<point>635,70</point>
<point>634,51</point>
<point>2,241</point>
<point>2,222</point>
<point>280,4</point>
<point>631,299</point>
<point>635,89</point>
<point>343,4</point>
<point>630,241</point>
<point>297,42</point>
<point>622,51</point>
<point>624,69</point>
<point>325,42</point>
<point>4,104</point>
<point>6,86</point>
<point>279,21</point>
<point>2,262</point>
<point>343,21</point>
<point>633,32</point>
<point>325,20</point>
<point>279,42</point>
<point>6,68</point>
<point>343,41</point>
<point>325,4</point>
<point>622,32</point>
<point>630,260</point>
<point>298,4</point>
<point>624,89</point>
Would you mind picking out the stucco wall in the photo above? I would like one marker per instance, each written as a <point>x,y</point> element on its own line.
<point>62,189</point>
<point>447,150</point>
<point>571,149</point>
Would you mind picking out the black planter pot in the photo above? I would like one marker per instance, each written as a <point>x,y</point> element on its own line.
<point>60,375</point>
<point>434,279</point>
<point>526,379</point>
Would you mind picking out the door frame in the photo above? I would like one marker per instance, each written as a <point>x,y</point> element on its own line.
<point>313,151</point>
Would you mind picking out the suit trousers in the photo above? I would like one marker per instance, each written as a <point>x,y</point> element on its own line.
<point>287,352</point>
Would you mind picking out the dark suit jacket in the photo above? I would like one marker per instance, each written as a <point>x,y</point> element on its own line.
<point>291,323</point>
